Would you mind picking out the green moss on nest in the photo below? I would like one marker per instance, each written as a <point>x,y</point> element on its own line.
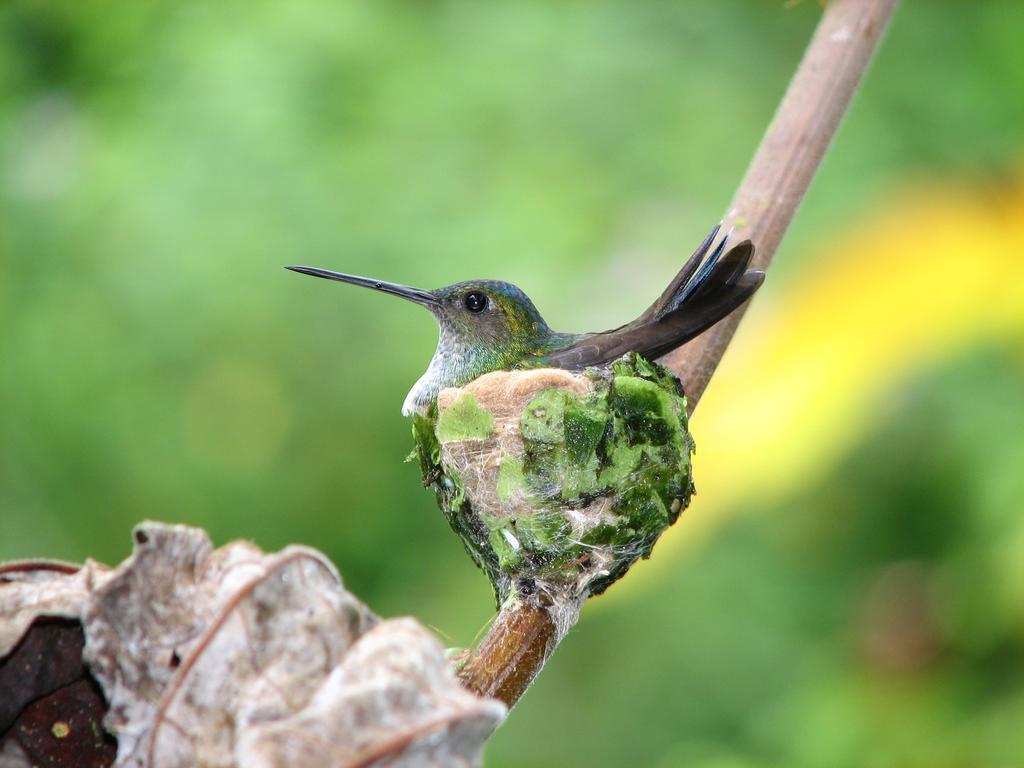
<point>464,420</point>
<point>451,494</point>
<point>599,478</point>
<point>426,446</point>
<point>510,478</point>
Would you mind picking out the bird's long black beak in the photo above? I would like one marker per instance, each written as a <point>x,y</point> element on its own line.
<point>416,295</point>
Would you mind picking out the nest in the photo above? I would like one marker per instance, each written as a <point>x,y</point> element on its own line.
<point>558,482</point>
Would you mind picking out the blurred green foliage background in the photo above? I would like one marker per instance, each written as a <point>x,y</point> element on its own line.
<point>161,162</point>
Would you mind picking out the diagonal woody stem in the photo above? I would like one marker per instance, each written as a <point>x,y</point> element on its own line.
<point>789,156</point>
<point>523,634</point>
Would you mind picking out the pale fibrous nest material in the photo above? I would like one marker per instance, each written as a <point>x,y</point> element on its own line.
<point>236,658</point>
<point>558,482</point>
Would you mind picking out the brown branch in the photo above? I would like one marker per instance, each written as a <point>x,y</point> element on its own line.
<point>523,636</point>
<point>512,653</point>
<point>789,156</point>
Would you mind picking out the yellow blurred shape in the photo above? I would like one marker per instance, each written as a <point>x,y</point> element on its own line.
<point>915,283</point>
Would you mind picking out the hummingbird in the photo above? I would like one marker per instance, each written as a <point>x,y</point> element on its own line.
<point>490,325</point>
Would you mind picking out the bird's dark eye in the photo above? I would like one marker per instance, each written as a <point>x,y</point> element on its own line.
<point>476,302</point>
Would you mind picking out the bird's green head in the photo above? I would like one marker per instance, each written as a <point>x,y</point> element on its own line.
<point>486,325</point>
<point>489,313</point>
<point>486,314</point>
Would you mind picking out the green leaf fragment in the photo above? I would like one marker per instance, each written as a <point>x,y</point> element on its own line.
<point>544,532</point>
<point>465,420</point>
<point>647,410</point>
<point>623,462</point>
<point>507,548</point>
<point>543,419</point>
<point>426,446</point>
<point>584,426</point>
<point>510,478</point>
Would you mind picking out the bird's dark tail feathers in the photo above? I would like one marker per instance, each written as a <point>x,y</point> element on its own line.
<point>708,288</point>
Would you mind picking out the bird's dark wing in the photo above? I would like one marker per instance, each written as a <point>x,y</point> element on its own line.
<point>710,290</point>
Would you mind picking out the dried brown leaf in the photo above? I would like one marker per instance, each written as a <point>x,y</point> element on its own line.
<point>233,657</point>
